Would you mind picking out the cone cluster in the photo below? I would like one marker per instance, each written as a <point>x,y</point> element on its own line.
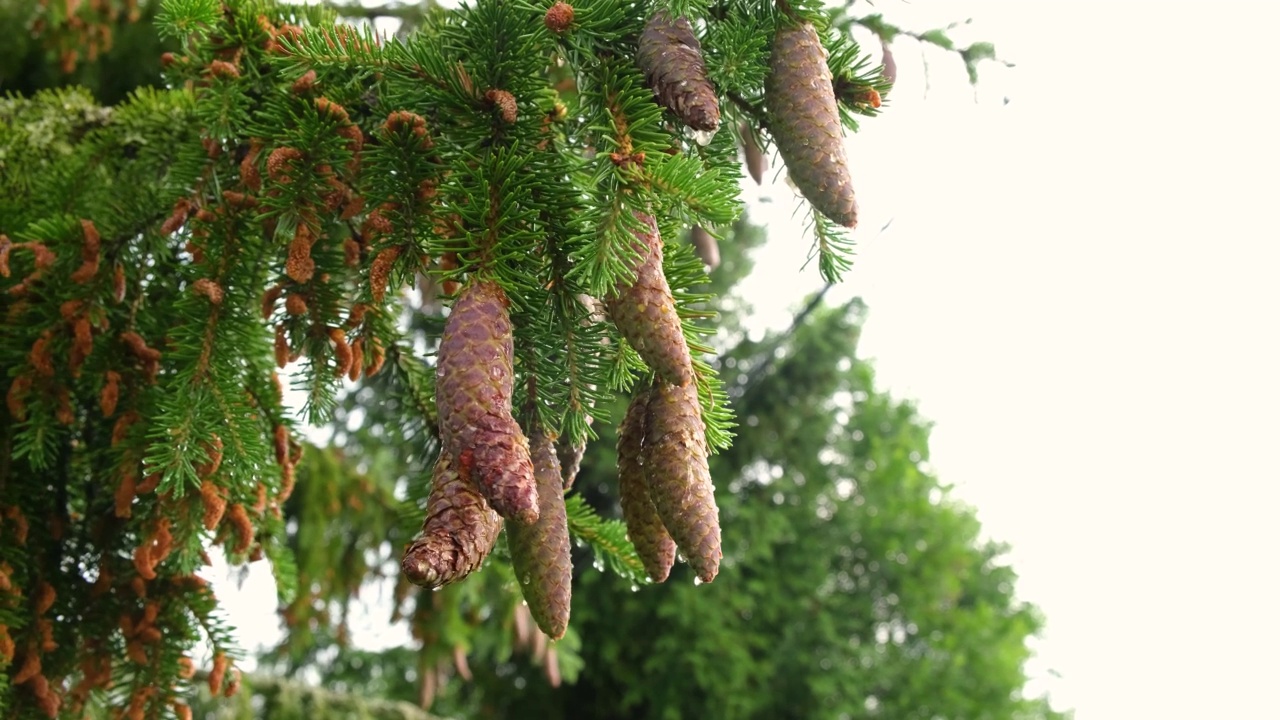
<point>474,378</point>
<point>805,122</point>
<point>670,57</point>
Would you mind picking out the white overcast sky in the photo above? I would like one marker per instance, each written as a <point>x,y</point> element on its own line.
<point>1079,288</point>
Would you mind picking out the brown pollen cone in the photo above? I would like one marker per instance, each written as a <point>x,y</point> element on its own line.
<point>675,466</point>
<point>652,541</point>
<point>670,57</point>
<point>805,122</point>
<point>645,312</point>
<point>540,552</point>
<point>459,531</point>
<point>474,379</point>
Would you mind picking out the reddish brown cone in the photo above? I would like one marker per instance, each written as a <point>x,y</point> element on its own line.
<point>671,58</point>
<point>474,379</point>
<point>645,312</point>
<point>540,552</point>
<point>675,466</point>
<point>653,544</point>
<point>805,122</point>
<point>459,531</point>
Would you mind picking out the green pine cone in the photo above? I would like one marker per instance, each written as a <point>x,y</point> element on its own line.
<point>670,57</point>
<point>805,122</point>
<point>675,466</point>
<point>540,552</point>
<point>459,531</point>
<point>645,312</point>
<point>652,542</point>
<point>474,379</point>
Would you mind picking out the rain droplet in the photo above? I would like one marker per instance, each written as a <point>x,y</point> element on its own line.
<point>702,137</point>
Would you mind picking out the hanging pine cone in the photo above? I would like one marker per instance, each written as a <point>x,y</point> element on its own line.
<point>653,544</point>
<point>757,161</point>
<point>675,466</point>
<point>805,122</point>
<point>570,456</point>
<point>474,379</point>
<point>540,552</point>
<point>671,58</point>
<point>459,531</point>
<point>645,312</point>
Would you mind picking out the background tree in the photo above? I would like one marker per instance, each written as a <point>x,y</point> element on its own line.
<point>141,408</point>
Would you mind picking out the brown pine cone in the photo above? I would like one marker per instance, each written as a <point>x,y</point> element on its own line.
<point>805,122</point>
<point>645,312</point>
<point>675,466</point>
<point>540,552</point>
<point>474,379</point>
<point>570,456</point>
<point>670,57</point>
<point>458,533</point>
<point>653,544</point>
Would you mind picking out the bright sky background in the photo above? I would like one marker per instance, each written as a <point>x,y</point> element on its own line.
<point>1079,288</point>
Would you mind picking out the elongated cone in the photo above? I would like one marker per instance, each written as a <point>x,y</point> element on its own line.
<point>474,379</point>
<point>675,465</point>
<point>670,57</point>
<point>805,122</point>
<point>757,162</point>
<point>459,532</point>
<point>570,456</point>
<point>540,552</point>
<point>706,247</point>
<point>645,312</point>
<point>653,544</point>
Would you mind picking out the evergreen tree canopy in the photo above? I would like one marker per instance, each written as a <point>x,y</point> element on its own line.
<point>242,199</point>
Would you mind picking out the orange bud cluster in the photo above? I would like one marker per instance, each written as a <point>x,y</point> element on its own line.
<point>402,121</point>
<point>88,254</point>
<point>153,550</point>
<point>215,504</point>
<point>304,84</point>
<point>177,218</point>
<point>208,288</point>
<point>380,272</point>
<point>249,174</point>
<point>295,305</point>
<point>505,103</point>
<point>16,399</point>
<point>559,17</point>
<point>213,459</point>
<point>217,673</point>
<point>300,267</point>
<point>121,429</point>
<point>281,163</point>
<point>41,356</point>
<point>269,299</point>
<point>223,69</point>
<point>242,526</point>
<point>126,491</point>
<point>149,357</point>
<point>281,347</point>
<point>110,394</point>
<point>341,352</point>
